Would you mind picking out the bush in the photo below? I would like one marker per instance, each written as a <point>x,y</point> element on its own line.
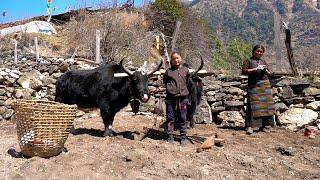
<point>231,56</point>
<point>170,8</point>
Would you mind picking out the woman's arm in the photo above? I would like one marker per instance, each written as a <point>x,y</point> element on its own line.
<point>267,70</point>
<point>246,70</point>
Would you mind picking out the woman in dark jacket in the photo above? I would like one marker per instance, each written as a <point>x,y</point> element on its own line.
<point>175,80</point>
<point>260,105</point>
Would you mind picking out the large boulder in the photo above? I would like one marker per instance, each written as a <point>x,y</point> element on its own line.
<point>231,119</point>
<point>296,118</point>
<point>32,79</point>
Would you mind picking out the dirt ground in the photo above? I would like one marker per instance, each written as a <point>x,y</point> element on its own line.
<point>134,154</point>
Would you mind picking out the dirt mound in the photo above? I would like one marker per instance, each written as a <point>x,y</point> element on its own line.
<point>136,155</point>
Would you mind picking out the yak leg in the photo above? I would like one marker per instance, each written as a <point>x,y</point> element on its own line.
<point>108,117</point>
<point>191,111</point>
<point>192,123</point>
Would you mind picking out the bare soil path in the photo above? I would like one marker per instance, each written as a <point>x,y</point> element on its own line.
<point>134,155</point>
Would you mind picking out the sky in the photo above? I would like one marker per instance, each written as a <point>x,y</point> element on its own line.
<point>24,9</point>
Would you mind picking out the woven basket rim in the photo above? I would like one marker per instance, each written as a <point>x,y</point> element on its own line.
<point>25,103</point>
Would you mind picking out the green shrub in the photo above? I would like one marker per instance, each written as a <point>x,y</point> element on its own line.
<point>170,8</point>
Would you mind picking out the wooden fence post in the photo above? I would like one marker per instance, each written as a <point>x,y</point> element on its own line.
<point>37,48</point>
<point>280,66</point>
<point>98,46</point>
<point>290,52</point>
<point>175,35</point>
<point>15,51</point>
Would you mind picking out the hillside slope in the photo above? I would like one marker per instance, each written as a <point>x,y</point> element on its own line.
<point>253,21</point>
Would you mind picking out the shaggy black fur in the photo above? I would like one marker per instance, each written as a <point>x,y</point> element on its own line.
<point>98,88</point>
<point>195,88</point>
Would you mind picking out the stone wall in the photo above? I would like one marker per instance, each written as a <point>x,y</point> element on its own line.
<point>297,100</point>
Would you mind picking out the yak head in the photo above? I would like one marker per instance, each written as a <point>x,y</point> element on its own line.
<point>139,81</point>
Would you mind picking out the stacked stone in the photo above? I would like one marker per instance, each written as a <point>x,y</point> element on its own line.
<point>30,80</point>
<point>297,101</point>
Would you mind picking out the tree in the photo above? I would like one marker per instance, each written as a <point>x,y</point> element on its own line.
<point>170,8</point>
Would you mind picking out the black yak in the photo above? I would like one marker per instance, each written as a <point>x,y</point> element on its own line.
<point>101,88</point>
<point>195,88</point>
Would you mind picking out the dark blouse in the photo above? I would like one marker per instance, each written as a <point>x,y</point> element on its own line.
<point>253,77</point>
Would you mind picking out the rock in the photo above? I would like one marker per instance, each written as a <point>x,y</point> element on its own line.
<point>10,81</point>
<point>53,69</point>
<point>281,107</point>
<point>202,113</point>
<point>48,80</point>
<point>79,113</point>
<point>295,118</point>
<point>23,93</point>
<point>316,83</point>
<point>210,93</point>
<point>228,97</point>
<point>2,91</point>
<point>212,87</point>
<point>3,73</point>
<point>285,151</point>
<point>318,123</point>
<point>7,115</point>
<point>3,109</point>
<point>63,67</point>
<point>211,99</point>
<point>219,96</point>
<point>299,100</point>
<point>8,102</point>
<point>314,105</point>
<point>31,79</point>
<point>56,75</point>
<point>311,91</point>
<point>298,85</point>
<point>216,104</point>
<point>24,82</point>
<point>231,119</point>
<point>228,84</point>
<point>287,92</point>
<point>217,109</point>
<point>52,86</point>
<point>16,72</point>
<point>2,102</point>
<point>296,106</point>
<point>233,104</point>
<point>235,91</point>
<point>13,75</point>
<point>283,82</point>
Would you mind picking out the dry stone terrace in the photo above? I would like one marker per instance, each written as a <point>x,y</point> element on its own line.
<point>297,100</point>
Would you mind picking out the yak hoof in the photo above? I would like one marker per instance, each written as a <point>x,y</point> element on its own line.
<point>192,123</point>
<point>109,132</point>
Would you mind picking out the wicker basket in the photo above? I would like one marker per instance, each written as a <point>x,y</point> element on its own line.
<point>43,126</point>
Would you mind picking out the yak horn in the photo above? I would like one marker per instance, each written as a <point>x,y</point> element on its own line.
<point>130,73</point>
<point>157,68</point>
<point>200,67</point>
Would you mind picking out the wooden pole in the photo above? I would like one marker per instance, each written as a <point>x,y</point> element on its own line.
<point>277,44</point>
<point>15,51</point>
<point>98,46</point>
<point>166,54</point>
<point>37,48</point>
<point>175,35</point>
<point>290,52</point>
